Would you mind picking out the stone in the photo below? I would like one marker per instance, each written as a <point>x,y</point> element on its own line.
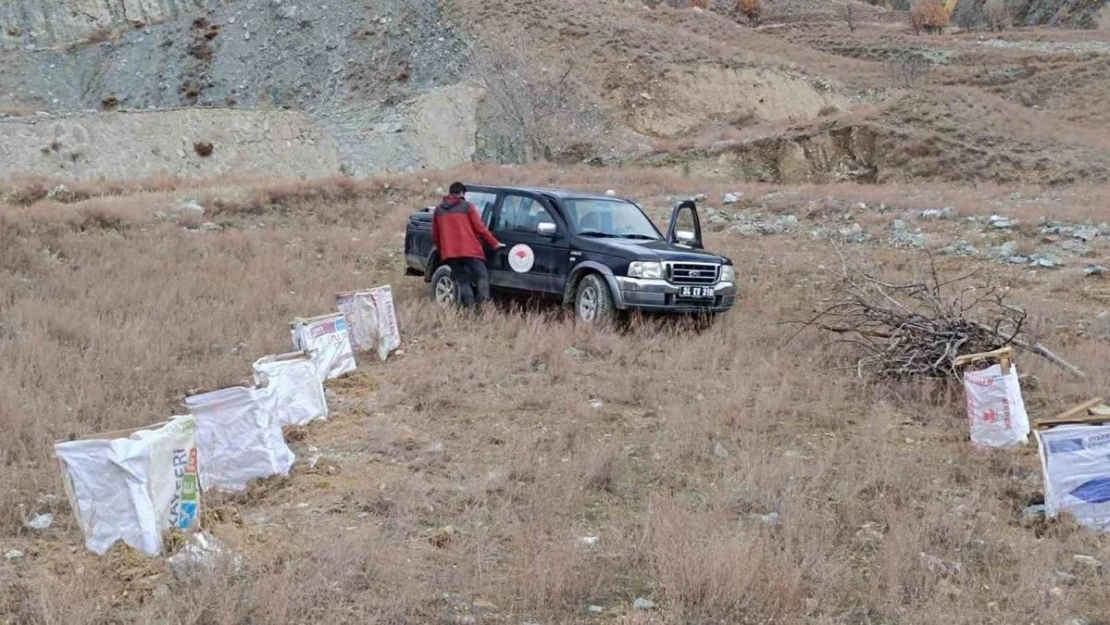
<point>731,198</point>
<point>13,554</point>
<point>40,521</point>
<point>575,353</point>
<point>190,206</point>
<point>287,12</point>
<point>747,230</point>
<point>788,221</point>
<point>1076,247</point>
<point>596,403</point>
<point>719,450</point>
<point>589,541</point>
<point>611,193</point>
<point>209,226</point>
<point>853,234</point>
<point>1096,270</point>
<point>942,213</point>
<point>1006,250</point>
<point>938,566</point>
<point>771,518</point>
<point>774,227</point>
<point>1086,234</point>
<point>595,609</point>
<point>999,222</point>
<point>902,238</point>
<point>898,225</point>
<point>960,248</point>
<point>483,605</point>
<point>1088,561</point>
<point>1033,513</point>
<point>869,533</point>
<point>1045,261</point>
<point>643,604</point>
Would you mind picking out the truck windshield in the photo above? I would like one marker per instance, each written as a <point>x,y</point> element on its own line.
<point>610,218</point>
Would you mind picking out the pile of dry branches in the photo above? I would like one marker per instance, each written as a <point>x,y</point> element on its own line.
<point>918,328</point>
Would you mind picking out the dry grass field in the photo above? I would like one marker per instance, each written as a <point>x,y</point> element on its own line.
<point>729,474</point>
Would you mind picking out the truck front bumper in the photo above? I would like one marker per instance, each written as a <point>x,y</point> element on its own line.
<point>662,296</point>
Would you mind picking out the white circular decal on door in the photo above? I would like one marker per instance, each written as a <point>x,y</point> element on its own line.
<point>521,258</point>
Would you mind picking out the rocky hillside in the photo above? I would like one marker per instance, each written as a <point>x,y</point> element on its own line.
<point>399,85</point>
<point>47,23</point>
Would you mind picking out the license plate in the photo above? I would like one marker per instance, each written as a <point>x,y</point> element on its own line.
<point>695,292</point>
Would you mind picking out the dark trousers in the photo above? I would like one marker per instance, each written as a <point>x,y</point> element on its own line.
<point>468,273</point>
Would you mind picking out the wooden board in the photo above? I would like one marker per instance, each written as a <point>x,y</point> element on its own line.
<point>1078,413</point>
<point>1003,355</point>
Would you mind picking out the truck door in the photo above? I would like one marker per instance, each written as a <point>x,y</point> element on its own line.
<point>535,256</point>
<point>685,226</point>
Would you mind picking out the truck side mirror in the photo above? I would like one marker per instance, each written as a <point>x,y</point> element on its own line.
<point>546,229</point>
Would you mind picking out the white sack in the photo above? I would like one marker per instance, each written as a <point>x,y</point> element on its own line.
<point>174,473</point>
<point>239,437</point>
<point>299,394</point>
<point>1075,460</point>
<point>131,489</point>
<point>372,319</point>
<point>995,409</point>
<point>327,340</point>
<point>109,489</point>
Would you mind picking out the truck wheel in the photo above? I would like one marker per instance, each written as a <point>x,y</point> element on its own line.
<point>593,303</point>
<point>443,288</point>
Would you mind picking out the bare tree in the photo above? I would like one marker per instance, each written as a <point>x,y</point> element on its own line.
<point>998,15</point>
<point>535,106</point>
<point>908,70</point>
<point>850,15</point>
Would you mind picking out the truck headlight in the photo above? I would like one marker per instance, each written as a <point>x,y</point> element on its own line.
<point>645,269</point>
<point>728,273</point>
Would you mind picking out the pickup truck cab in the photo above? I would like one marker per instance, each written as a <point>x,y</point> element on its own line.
<point>597,253</point>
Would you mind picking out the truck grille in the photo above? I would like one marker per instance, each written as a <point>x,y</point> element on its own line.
<point>693,273</point>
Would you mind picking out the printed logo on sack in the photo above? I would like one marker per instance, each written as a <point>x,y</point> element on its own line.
<point>521,258</point>
<point>1093,491</point>
<point>1066,445</point>
<point>183,508</point>
<point>978,381</point>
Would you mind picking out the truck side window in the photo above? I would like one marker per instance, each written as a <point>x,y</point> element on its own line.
<point>521,214</point>
<point>484,202</point>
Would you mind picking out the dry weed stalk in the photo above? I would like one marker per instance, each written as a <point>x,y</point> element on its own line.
<point>918,327</point>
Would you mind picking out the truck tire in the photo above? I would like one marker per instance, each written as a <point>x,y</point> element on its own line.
<point>593,303</point>
<point>443,289</point>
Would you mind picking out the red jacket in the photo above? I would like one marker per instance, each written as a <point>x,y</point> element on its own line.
<point>458,231</point>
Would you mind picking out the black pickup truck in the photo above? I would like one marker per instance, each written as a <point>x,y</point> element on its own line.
<point>600,254</point>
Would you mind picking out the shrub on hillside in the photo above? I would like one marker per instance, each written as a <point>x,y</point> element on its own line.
<point>750,9</point>
<point>997,14</point>
<point>700,4</point>
<point>929,16</point>
<point>537,108</point>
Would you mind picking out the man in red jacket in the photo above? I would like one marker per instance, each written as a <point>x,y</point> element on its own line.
<point>458,234</point>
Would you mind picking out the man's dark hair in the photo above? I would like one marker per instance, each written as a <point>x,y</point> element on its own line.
<point>457,188</point>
